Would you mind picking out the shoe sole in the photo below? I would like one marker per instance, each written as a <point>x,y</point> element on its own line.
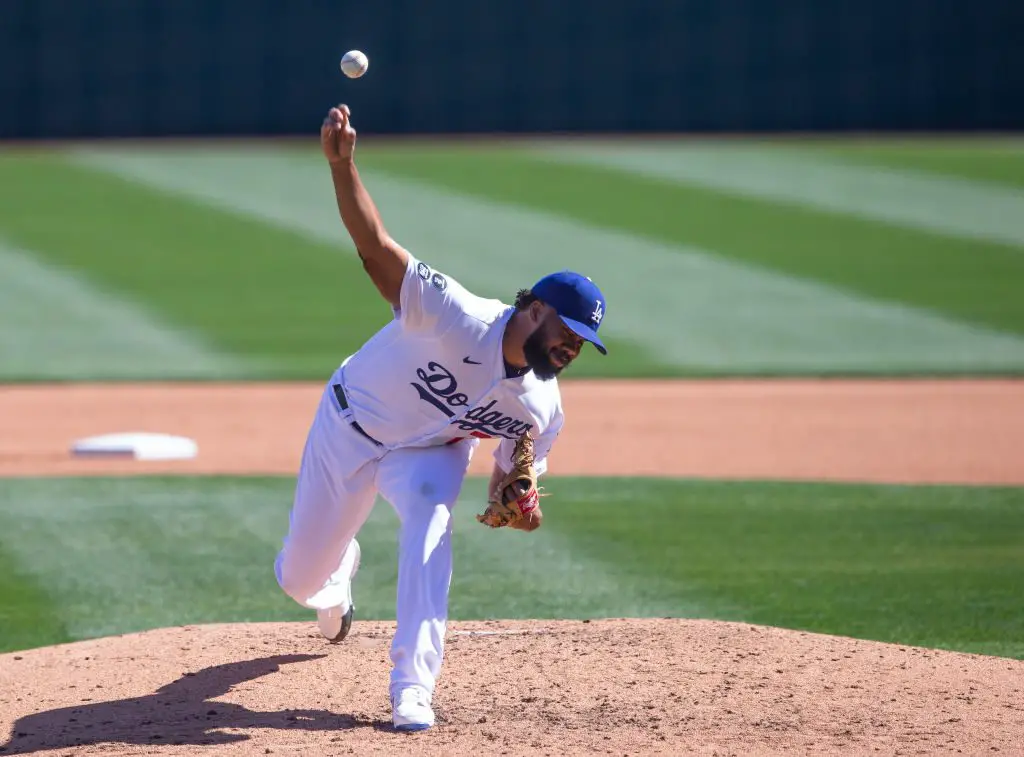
<point>346,621</point>
<point>412,727</point>
<point>346,626</point>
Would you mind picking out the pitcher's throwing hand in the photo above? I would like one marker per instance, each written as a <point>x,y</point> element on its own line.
<point>337,137</point>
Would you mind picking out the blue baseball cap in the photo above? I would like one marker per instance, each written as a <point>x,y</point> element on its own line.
<point>578,302</point>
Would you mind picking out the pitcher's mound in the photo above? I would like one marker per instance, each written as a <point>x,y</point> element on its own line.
<point>510,687</point>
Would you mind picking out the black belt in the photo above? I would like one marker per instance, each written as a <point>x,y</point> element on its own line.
<point>340,394</point>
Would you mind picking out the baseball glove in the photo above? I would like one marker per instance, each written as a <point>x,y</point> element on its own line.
<point>516,495</point>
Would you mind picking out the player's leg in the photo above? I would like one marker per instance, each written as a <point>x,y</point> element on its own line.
<point>334,494</point>
<point>423,486</point>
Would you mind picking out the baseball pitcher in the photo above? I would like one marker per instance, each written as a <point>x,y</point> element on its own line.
<point>402,417</point>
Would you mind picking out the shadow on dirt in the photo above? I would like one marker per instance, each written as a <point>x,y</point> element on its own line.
<point>178,713</point>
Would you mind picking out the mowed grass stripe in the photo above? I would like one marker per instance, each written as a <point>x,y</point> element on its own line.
<point>29,615</point>
<point>56,324</point>
<point>276,304</point>
<point>998,161</point>
<point>930,203</point>
<point>936,566</point>
<point>970,280</point>
<point>552,577</point>
<point>128,554</point>
<point>288,190</point>
<point>678,306</point>
<point>121,555</point>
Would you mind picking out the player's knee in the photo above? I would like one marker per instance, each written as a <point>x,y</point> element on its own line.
<point>293,583</point>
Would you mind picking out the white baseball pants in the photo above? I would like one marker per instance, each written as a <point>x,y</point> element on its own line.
<point>340,475</point>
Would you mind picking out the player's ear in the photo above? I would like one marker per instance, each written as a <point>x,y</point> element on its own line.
<point>537,311</point>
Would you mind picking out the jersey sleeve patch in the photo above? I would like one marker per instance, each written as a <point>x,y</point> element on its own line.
<point>429,299</point>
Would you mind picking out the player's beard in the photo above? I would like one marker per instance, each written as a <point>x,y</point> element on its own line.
<point>538,357</point>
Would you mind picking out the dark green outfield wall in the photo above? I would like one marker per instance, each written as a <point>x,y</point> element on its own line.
<point>71,68</point>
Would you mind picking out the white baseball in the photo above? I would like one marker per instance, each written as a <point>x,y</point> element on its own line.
<point>354,64</point>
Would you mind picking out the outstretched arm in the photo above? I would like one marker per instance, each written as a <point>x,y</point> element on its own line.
<point>383,258</point>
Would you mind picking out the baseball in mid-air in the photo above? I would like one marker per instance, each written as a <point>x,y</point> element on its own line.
<point>354,64</point>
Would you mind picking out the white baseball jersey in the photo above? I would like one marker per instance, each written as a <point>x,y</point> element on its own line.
<point>436,374</point>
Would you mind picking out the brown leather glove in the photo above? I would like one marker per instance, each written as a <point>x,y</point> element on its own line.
<point>516,494</point>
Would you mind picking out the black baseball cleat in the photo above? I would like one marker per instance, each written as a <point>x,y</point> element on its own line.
<point>333,625</point>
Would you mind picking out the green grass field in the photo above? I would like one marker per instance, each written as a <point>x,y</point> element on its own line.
<point>759,258</point>
<point>736,258</point>
<point>934,566</point>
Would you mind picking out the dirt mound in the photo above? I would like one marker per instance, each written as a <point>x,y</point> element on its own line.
<point>529,687</point>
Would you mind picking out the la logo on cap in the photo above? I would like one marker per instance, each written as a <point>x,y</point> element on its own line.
<point>598,313</point>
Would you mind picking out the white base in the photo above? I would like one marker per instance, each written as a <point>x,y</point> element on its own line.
<point>137,445</point>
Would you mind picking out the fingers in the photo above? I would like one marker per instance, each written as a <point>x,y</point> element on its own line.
<point>336,124</point>
<point>338,115</point>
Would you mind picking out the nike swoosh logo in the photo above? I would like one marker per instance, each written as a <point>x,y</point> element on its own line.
<point>470,362</point>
